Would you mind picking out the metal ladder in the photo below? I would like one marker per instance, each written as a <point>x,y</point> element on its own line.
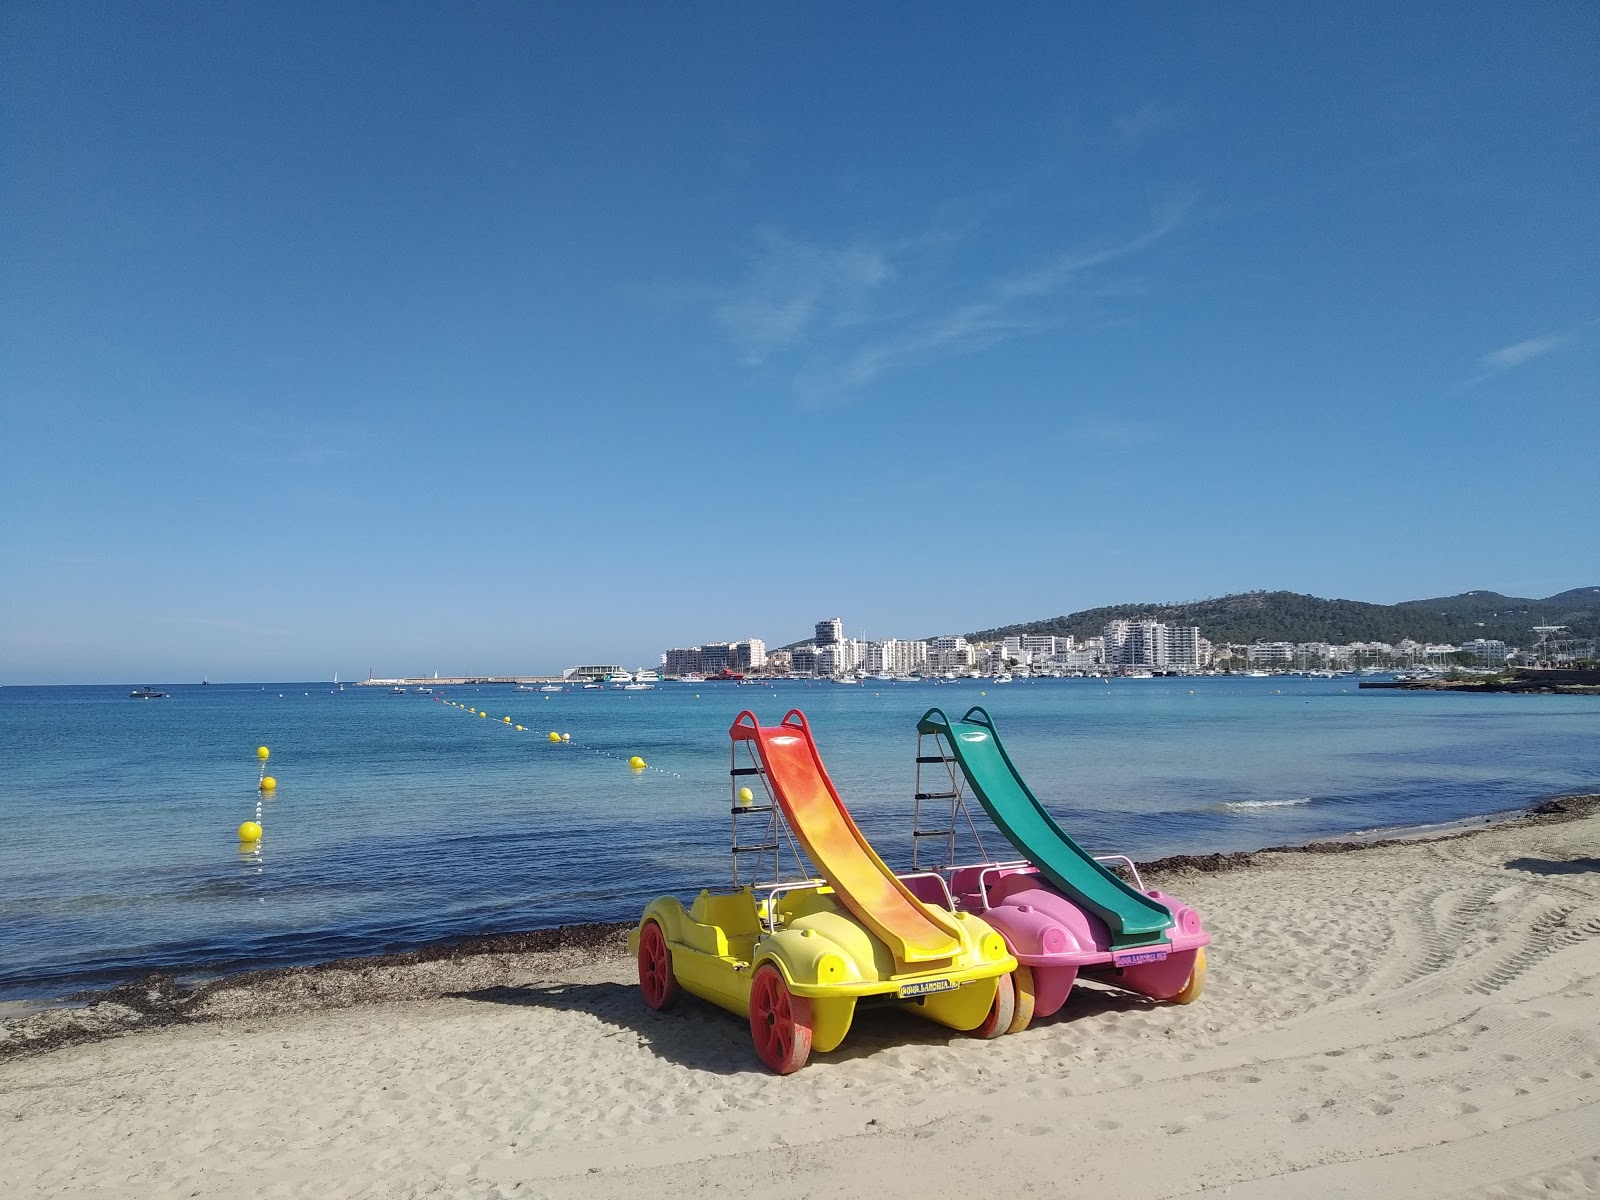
<point>949,784</point>
<point>774,833</point>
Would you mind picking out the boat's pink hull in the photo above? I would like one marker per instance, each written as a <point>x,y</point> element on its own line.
<point>1058,940</point>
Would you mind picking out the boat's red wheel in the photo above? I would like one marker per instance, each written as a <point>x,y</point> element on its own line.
<point>780,1021</point>
<point>656,980</point>
<point>1001,1011</point>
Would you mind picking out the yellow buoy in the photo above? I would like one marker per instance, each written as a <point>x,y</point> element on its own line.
<point>250,832</point>
<point>507,720</point>
<point>263,753</point>
<point>746,796</point>
<point>637,763</point>
<point>519,728</point>
<point>483,714</point>
<point>268,784</point>
<point>554,736</point>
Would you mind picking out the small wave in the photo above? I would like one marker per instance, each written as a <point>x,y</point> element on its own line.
<point>1250,805</point>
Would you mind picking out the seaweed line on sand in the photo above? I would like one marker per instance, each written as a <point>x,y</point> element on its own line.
<point>497,960</point>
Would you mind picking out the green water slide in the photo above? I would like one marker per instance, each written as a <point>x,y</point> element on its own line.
<point>973,744</point>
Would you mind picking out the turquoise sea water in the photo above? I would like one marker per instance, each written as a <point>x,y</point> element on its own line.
<point>399,820</point>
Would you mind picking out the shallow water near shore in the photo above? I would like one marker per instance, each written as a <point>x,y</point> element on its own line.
<point>399,820</point>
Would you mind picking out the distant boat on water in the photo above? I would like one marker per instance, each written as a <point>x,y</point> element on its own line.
<point>145,693</point>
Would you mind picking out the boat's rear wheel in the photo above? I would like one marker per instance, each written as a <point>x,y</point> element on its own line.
<point>1190,992</point>
<point>1022,985</point>
<point>656,980</point>
<point>1001,1012</point>
<point>780,1021</point>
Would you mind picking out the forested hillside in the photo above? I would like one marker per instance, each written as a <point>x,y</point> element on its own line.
<point>1291,617</point>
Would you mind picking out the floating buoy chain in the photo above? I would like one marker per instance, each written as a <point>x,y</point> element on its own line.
<point>635,762</point>
<point>266,785</point>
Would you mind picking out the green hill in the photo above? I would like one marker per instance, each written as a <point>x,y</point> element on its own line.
<point>1291,617</point>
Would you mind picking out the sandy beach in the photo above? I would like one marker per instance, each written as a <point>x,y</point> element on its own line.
<point>1393,1020</point>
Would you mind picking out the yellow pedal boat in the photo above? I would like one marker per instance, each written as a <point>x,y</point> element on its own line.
<point>798,957</point>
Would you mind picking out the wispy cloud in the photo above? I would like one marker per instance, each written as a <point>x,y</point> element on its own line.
<point>838,318</point>
<point>793,285</point>
<point>1516,354</point>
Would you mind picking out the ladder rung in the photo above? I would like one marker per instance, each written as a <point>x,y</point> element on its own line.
<point>755,849</point>
<point>922,758</point>
<point>931,832</point>
<point>747,771</point>
<point>750,808</point>
<point>936,795</point>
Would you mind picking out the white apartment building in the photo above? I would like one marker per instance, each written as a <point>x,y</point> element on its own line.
<point>1489,650</point>
<point>1280,654</point>
<point>1114,641</point>
<point>1080,658</point>
<point>1041,647</point>
<point>841,657</point>
<point>1183,647</point>
<point>950,653</point>
<point>830,632</point>
<point>1143,643</point>
<point>892,656</point>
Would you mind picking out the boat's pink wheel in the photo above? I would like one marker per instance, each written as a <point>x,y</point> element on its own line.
<point>1001,1011</point>
<point>656,980</point>
<point>780,1021</point>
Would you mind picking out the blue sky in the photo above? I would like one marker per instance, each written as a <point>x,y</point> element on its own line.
<point>498,338</point>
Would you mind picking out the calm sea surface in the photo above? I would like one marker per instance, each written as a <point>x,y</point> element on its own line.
<point>399,820</point>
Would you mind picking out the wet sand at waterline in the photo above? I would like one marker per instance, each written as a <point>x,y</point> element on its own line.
<point>1402,1019</point>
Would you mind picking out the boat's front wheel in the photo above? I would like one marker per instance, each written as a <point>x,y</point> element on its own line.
<point>1001,1012</point>
<point>656,980</point>
<point>780,1021</point>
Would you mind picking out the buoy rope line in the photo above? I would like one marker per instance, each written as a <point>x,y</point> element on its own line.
<point>266,785</point>
<point>563,739</point>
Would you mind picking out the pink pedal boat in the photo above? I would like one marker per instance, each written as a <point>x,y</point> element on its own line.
<point>1063,912</point>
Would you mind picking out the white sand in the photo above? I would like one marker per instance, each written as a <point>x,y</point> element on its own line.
<point>1397,1021</point>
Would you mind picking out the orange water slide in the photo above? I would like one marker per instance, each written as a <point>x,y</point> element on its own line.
<point>913,931</point>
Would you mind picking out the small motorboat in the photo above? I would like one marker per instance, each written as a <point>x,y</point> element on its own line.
<point>145,693</point>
